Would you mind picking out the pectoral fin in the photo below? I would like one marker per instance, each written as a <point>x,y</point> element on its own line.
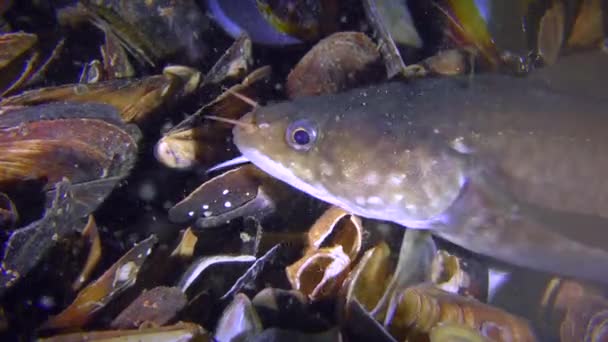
<point>488,220</point>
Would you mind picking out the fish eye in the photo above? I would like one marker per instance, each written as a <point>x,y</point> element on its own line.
<point>301,135</point>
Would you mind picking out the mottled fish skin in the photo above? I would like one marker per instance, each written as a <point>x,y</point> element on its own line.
<point>508,167</point>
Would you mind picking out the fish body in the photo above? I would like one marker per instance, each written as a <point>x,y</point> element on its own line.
<point>512,168</point>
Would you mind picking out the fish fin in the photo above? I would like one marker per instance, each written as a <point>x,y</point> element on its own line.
<point>489,220</point>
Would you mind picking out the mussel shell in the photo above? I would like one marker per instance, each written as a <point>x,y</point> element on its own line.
<point>338,62</point>
<point>160,28</point>
<point>236,17</point>
<point>83,142</point>
<point>307,20</point>
<point>17,59</point>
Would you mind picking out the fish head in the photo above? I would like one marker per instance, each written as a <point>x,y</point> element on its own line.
<point>344,156</point>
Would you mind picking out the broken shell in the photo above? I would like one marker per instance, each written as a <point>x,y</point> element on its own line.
<point>185,248</point>
<point>319,273</point>
<point>447,63</point>
<point>334,241</point>
<point>458,275</point>
<point>157,306</point>
<point>337,227</point>
<point>234,63</point>
<point>338,62</point>
<point>92,72</point>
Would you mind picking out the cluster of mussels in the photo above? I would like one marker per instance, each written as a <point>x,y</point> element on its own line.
<point>105,140</point>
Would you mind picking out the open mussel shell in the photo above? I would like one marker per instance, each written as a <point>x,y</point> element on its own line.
<point>195,143</point>
<point>334,242</point>
<point>83,142</point>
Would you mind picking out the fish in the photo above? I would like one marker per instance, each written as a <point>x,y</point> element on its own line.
<point>513,168</point>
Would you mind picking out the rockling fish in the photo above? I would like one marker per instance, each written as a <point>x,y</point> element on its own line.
<point>511,168</point>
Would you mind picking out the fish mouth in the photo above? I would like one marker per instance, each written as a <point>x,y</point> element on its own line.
<point>277,170</point>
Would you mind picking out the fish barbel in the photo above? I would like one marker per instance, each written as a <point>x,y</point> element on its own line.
<point>511,168</point>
